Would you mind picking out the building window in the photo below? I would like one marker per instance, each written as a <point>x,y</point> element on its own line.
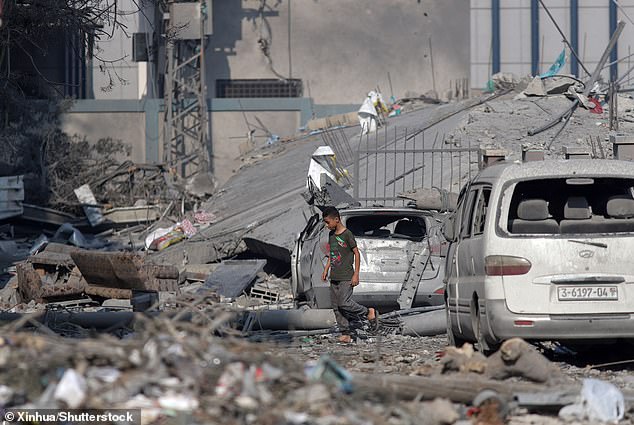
<point>258,88</point>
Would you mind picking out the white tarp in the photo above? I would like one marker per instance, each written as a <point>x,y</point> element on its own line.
<point>367,113</point>
<point>321,162</point>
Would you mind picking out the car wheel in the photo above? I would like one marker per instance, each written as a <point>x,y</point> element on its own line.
<point>452,339</point>
<point>483,345</point>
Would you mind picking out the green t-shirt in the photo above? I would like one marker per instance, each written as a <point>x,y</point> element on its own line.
<point>341,255</point>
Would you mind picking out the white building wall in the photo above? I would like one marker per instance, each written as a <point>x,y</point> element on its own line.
<point>341,48</point>
<point>515,52</point>
<point>344,48</point>
<point>515,36</point>
<point>116,76</point>
<point>480,42</point>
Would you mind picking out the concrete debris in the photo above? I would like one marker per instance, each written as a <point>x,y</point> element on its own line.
<point>125,270</point>
<point>201,185</point>
<point>339,120</point>
<point>212,316</point>
<point>89,204</point>
<point>506,121</point>
<point>46,216</point>
<point>132,215</point>
<point>514,358</point>
<point>65,273</point>
<point>432,199</point>
<point>49,275</point>
<point>504,80</point>
<point>535,88</point>
<point>232,277</point>
<point>518,358</point>
<point>561,84</point>
<point>463,359</point>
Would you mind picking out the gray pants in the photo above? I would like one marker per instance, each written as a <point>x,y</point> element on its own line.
<point>346,309</point>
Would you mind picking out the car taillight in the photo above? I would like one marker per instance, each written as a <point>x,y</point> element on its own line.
<point>505,265</point>
<point>440,291</point>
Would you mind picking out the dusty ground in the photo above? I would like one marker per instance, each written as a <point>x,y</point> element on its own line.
<point>405,355</point>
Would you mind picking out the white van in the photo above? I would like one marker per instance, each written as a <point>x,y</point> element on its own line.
<point>542,251</point>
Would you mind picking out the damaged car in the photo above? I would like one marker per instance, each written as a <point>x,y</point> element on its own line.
<point>542,251</point>
<point>402,258</point>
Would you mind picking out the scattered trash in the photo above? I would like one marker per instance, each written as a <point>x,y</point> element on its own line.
<point>556,66</point>
<point>71,389</point>
<point>599,401</point>
<point>161,238</point>
<point>89,203</point>
<point>328,371</point>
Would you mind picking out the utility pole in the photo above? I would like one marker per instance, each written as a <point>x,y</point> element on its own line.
<point>186,142</point>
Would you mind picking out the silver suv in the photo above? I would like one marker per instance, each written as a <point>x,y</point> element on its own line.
<point>543,251</point>
<point>394,243</point>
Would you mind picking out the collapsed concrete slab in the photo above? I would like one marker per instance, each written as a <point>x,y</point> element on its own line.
<point>49,275</point>
<point>124,270</point>
<point>64,272</point>
<point>233,277</point>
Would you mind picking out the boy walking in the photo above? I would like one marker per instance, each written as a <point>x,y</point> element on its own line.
<point>343,253</point>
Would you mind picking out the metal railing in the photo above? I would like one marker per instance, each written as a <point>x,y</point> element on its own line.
<point>392,161</point>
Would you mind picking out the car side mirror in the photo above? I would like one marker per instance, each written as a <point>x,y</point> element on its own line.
<point>449,229</point>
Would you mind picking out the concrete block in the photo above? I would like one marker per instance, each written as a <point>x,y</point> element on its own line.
<point>576,152</point>
<point>317,124</point>
<point>622,146</point>
<point>489,156</point>
<point>529,155</point>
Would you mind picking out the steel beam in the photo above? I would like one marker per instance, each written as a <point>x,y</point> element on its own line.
<point>186,143</point>
<point>495,36</point>
<point>535,37</point>
<point>574,36</point>
<point>614,54</point>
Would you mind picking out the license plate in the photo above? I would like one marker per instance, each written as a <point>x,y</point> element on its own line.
<point>587,293</point>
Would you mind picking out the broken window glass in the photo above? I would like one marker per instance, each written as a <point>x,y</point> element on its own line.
<point>481,211</point>
<point>397,226</point>
<point>467,217</point>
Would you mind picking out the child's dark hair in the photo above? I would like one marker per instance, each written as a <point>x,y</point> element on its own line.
<point>331,212</point>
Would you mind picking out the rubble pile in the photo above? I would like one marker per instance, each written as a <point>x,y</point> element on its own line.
<point>505,123</point>
<point>179,369</point>
<point>193,371</point>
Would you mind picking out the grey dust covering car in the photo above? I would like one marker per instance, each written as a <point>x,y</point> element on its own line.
<point>388,240</point>
<point>543,251</point>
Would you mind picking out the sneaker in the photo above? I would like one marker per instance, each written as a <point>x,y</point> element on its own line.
<point>345,339</point>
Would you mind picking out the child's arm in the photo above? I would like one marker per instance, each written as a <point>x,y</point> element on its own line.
<point>324,275</point>
<point>357,264</point>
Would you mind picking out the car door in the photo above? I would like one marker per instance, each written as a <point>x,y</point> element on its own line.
<point>465,268</point>
<point>477,240</point>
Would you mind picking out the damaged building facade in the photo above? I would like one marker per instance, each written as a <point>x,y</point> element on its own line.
<point>270,69</point>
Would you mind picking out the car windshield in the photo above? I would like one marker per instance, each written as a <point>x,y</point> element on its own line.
<point>398,226</point>
<point>576,205</point>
